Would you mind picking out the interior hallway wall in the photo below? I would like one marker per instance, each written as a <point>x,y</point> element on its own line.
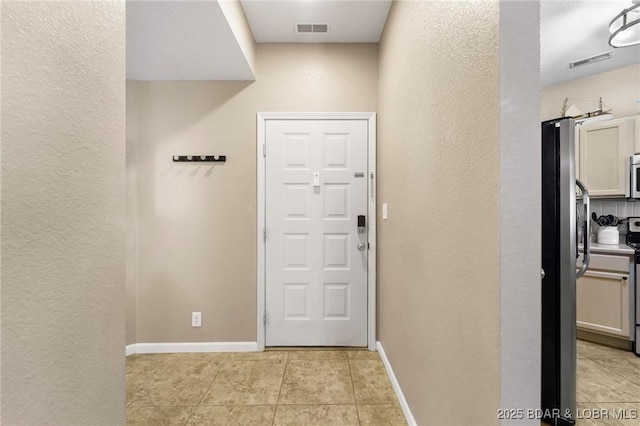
<point>439,171</point>
<point>63,213</point>
<point>196,223</point>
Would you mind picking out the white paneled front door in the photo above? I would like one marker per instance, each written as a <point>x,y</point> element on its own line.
<point>316,260</point>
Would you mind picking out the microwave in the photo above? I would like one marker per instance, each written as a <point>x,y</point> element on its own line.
<point>634,169</point>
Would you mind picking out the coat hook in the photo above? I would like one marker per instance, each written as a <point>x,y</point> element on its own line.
<point>199,158</point>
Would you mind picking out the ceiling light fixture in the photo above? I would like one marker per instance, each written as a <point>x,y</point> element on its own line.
<point>590,60</point>
<point>625,27</point>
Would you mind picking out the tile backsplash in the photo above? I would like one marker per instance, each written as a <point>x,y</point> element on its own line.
<point>620,208</point>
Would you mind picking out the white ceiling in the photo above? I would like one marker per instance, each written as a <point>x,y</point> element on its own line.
<point>192,39</point>
<point>182,40</point>
<point>577,29</point>
<point>350,21</point>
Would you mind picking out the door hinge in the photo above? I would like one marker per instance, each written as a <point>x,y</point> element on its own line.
<point>264,318</point>
<point>264,150</point>
<point>264,235</point>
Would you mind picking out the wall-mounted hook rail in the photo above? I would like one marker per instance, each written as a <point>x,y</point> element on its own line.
<point>205,158</point>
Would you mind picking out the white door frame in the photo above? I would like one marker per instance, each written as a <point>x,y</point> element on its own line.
<point>262,117</point>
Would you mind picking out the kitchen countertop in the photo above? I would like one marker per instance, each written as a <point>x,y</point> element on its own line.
<point>620,249</point>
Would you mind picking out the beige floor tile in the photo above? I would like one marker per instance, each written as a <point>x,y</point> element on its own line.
<point>626,413</point>
<point>175,382</point>
<point>371,383</point>
<point>311,355</point>
<point>364,354</point>
<point>255,415</point>
<point>594,350</point>
<point>598,384</point>
<point>589,414</point>
<point>171,391</point>
<point>246,383</point>
<point>259,356</point>
<point>135,383</point>
<point>138,364</point>
<point>158,415</point>
<point>579,351</point>
<point>629,368</point>
<point>381,414</point>
<point>316,415</point>
<point>317,382</point>
<point>216,358</point>
<point>580,397</point>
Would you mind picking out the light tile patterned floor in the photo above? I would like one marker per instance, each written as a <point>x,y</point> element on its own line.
<point>319,387</point>
<point>607,379</point>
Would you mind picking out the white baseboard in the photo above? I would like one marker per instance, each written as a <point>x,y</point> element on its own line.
<point>163,348</point>
<point>129,350</point>
<point>396,386</point>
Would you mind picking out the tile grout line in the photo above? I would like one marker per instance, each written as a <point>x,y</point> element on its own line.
<point>284,372</point>
<point>207,389</point>
<point>353,387</point>
<point>615,372</point>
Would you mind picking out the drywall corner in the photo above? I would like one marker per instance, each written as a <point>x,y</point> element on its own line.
<point>132,208</point>
<point>232,10</point>
<point>520,206</point>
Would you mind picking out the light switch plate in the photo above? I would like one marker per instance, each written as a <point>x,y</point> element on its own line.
<point>385,211</point>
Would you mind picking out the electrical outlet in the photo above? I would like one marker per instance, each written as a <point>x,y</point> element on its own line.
<point>196,319</point>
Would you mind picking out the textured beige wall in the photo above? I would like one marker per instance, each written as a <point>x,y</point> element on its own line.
<point>63,212</point>
<point>439,172</point>
<point>619,89</point>
<point>196,224</point>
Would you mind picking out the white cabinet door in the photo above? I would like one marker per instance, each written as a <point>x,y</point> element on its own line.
<point>603,303</point>
<point>605,149</point>
<point>316,260</point>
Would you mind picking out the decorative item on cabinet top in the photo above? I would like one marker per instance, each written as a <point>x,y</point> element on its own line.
<point>201,158</point>
<point>576,107</point>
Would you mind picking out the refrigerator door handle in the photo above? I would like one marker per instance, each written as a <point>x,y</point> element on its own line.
<point>586,233</point>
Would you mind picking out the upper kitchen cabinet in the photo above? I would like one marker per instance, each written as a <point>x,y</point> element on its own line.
<point>604,151</point>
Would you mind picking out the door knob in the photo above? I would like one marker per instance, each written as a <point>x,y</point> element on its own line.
<point>361,246</point>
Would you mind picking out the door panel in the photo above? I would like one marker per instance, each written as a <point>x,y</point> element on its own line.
<point>316,277</point>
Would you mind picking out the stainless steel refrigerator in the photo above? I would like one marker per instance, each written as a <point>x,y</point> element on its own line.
<point>561,219</point>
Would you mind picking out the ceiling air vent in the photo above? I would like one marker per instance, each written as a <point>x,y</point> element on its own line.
<point>590,60</point>
<point>311,28</point>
